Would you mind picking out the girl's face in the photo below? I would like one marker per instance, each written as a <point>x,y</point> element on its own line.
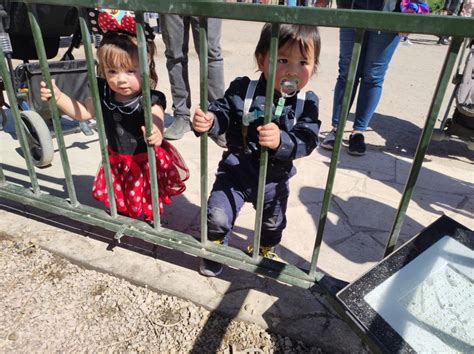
<point>125,82</point>
<point>291,65</point>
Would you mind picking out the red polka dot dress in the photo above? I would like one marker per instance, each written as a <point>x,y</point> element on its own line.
<point>129,159</point>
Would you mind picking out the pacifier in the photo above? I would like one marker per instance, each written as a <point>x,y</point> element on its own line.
<point>288,87</point>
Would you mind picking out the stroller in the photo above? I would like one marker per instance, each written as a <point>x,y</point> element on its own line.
<point>460,126</point>
<point>57,23</point>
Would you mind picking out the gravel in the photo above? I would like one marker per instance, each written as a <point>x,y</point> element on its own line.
<point>50,304</point>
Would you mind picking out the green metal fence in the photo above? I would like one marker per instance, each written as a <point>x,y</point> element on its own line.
<point>457,27</point>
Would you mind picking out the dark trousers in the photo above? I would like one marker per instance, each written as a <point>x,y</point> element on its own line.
<point>228,195</point>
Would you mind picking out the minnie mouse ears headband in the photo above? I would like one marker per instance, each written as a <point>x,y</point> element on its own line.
<point>104,20</point>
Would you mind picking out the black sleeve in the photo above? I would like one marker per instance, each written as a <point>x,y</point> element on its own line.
<point>159,98</point>
<point>229,107</point>
<point>302,139</point>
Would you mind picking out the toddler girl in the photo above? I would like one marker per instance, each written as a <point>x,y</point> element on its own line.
<point>121,100</point>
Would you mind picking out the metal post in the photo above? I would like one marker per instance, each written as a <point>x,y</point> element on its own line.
<point>264,152</point>
<point>98,111</point>
<point>20,129</point>
<point>444,79</point>
<point>39,44</point>
<point>203,75</point>
<point>145,74</point>
<point>346,102</point>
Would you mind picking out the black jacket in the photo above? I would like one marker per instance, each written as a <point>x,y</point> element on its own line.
<point>299,137</point>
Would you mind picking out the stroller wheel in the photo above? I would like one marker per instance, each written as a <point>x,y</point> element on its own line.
<point>39,138</point>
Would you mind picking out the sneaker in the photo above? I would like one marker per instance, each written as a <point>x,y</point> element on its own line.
<point>443,40</point>
<point>329,140</point>
<point>86,128</point>
<point>356,144</point>
<point>210,268</point>
<point>220,140</point>
<point>267,252</point>
<point>177,129</point>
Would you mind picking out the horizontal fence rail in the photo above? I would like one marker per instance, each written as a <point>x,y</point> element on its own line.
<point>370,20</point>
<point>457,27</point>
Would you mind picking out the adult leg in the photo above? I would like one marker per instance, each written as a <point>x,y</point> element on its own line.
<point>379,49</point>
<point>216,85</point>
<point>215,65</point>
<point>175,34</point>
<point>346,44</point>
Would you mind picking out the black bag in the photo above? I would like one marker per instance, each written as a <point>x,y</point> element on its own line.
<point>70,75</point>
<point>55,21</point>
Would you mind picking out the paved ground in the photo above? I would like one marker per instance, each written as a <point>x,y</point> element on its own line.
<point>366,195</point>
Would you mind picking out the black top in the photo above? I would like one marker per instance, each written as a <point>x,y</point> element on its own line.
<point>123,120</point>
<point>299,137</point>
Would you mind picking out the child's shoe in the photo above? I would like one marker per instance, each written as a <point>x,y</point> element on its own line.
<point>210,268</point>
<point>356,144</point>
<point>267,252</point>
<point>329,140</point>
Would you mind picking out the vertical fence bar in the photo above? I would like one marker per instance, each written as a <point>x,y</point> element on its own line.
<point>20,129</point>
<point>204,88</point>
<point>86,40</point>
<point>39,44</point>
<point>423,143</point>
<point>262,176</point>
<point>145,75</point>
<point>346,102</point>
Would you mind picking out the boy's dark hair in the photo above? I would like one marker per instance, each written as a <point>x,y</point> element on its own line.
<point>305,36</point>
<point>119,48</point>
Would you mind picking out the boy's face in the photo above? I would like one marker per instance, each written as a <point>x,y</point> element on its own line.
<point>125,82</point>
<point>291,65</point>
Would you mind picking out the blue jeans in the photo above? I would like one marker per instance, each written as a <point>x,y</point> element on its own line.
<point>376,53</point>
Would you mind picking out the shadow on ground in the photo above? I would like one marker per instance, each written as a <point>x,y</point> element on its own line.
<point>401,138</point>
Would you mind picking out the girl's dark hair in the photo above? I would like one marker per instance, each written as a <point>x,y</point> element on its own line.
<point>305,36</point>
<point>120,49</point>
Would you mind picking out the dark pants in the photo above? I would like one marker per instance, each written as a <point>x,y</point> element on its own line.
<point>229,194</point>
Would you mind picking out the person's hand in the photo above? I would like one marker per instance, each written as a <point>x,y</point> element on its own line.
<point>202,122</point>
<point>269,136</point>
<point>45,93</point>
<point>321,3</point>
<point>155,138</point>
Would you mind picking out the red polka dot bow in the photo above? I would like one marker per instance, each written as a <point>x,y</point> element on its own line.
<point>108,22</point>
<point>105,20</point>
